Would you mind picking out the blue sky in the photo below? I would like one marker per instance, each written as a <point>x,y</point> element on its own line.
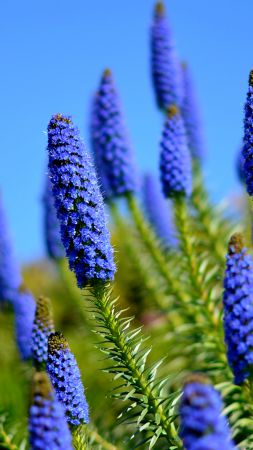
<point>52,55</point>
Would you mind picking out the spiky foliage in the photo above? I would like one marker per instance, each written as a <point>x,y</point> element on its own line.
<point>43,326</point>
<point>238,309</point>
<point>158,212</point>
<point>165,66</point>
<point>139,386</point>
<point>247,139</point>
<point>10,277</point>
<point>78,203</point>
<point>111,145</point>
<point>47,425</point>
<point>175,161</point>
<point>191,116</point>
<point>55,249</point>
<point>202,425</point>
<point>66,379</point>
<point>24,310</point>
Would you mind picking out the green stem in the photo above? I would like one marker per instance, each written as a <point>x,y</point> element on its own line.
<point>206,216</point>
<point>106,309</point>
<point>150,241</point>
<point>188,250</point>
<point>143,273</point>
<point>83,433</point>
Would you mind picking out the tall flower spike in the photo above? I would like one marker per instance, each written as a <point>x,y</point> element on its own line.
<point>158,211</point>
<point>10,276</point>
<point>111,145</point>
<point>97,150</point>
<point>42,328</point>
<point>47,423</point>
<point>202,425</point>
<point>24,310</point>
<point>248,138</point>
<point>238,309</point>
<point>165,65</point>
<point>175,160</point>
<point>79,204</point>
<point>192,117</point>
<point>66,379</point>
<point>53,241</point>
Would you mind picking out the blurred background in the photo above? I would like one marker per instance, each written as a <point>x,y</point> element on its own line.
<point>52,55</point>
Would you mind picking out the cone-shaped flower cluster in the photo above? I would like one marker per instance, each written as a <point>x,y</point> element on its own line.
<point>110,141</point>
<point>158,212</point>
<point>165,65</point>
<point>98,150</point>
<point>47,423</point>
<point>55,249</point>
<point>192,117</point>
<point>24,309</point>
<point>42,328</point>
<point>66,379</point>
<point>10,277</point>
<point>248,138</point>
<point>202,425</point>
<point>175,160</point>
<point>238,309</point>
<point>79,204</point>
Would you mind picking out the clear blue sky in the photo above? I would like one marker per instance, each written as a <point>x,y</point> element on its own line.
<point>52,54</point>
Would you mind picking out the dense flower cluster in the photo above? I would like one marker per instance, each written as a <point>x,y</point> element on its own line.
<point>24,309</point>
<point>202,425</point>
<point>10,276</point>
<point>158,212</point>
<point>191,116</point>
<point>47,424</point>
<point>98,151</point>
<point>175,160</point>
<point>42,328</point>
<point>110,141</point>
<point>238,309</point>
<point>66,379</point>
<point>248,138</point>
<point>79,204</point>
<point>55,249</point>
<point>166,70</point>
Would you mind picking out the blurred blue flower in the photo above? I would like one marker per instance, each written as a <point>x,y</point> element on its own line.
<point>202,425</point>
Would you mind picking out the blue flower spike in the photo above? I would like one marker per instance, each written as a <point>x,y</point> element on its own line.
<point>79,204</point>
<point>54,247</point>
<point>248,138</point>
<point>42,328</point>
<point>175,159</point>
<point>47,423</point>
<point>24,310</point>
<point>66,380</point>
<point>111,145</point>
<point>203,427</point>
<point>192,117</point>
<point>10,275</point>
<point>165,64</point>
<point>159,212</point>
<point>238,309</point>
